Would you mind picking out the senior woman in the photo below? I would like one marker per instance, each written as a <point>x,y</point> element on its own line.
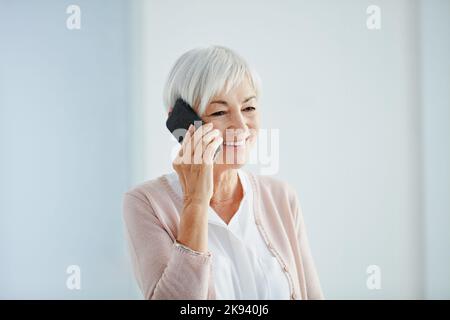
<point>210,229</point>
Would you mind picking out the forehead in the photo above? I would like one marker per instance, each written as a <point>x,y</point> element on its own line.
<point>239,92</point>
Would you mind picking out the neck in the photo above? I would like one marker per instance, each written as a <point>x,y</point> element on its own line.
<point>226,185</point>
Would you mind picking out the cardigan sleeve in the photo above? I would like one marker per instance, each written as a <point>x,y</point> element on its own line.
<point>163,269</point>
<point>313,288</point>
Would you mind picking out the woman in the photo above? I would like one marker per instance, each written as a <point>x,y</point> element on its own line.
<point>211,230</point>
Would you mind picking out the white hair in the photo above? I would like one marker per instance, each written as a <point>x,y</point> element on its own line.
<point>201,73</point>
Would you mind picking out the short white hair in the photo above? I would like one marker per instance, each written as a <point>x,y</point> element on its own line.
<point>201,73</point>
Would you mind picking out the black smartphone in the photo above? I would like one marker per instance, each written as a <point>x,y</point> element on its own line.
<point>181,117</point>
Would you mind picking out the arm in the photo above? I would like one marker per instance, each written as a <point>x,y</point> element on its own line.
<point>163,269</point>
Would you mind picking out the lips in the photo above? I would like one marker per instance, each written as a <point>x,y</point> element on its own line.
<point>235,144</point>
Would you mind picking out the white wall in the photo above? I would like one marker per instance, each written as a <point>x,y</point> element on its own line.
<point>435,70</point>
<point>346,101</point>
<point>64,149</point>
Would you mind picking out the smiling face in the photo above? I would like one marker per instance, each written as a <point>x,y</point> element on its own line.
<point>236,115</point>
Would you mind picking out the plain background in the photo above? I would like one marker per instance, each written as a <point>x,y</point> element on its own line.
<point>363,117</point>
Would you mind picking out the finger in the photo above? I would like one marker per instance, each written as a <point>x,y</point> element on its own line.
<point>210,135</point>
<point>201,146</point>
<point>208,155</point>
<point>200,132</point>
<point>187,145</point>
<point>185,138</point>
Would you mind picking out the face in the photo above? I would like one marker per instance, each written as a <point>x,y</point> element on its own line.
<point>236,116</point>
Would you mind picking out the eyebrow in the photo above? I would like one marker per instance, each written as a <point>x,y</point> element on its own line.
<point>225,103</point>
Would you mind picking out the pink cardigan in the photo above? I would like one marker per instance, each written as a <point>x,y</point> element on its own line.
<point>166,271</point>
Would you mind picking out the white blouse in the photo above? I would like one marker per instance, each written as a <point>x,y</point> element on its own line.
<point>243,266</point>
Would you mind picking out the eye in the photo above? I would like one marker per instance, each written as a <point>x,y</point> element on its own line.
<point>218,113</point>
<point>250,109</point>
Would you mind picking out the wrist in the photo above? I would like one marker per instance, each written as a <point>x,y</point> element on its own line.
<point>196,202</point>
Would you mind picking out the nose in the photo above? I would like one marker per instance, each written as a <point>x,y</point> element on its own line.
<point>238,129</point>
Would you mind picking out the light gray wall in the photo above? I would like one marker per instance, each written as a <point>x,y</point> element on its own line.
<point>347,103</point>
<point>64,98</point>
<point>435,70</point>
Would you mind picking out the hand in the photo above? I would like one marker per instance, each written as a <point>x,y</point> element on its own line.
<point>194,163</point>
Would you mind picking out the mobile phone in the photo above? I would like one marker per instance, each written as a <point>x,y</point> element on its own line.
<point>181,117</point>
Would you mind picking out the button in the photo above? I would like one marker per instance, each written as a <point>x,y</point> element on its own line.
<point>293,296</point>
<point>285,268</point>
<point>257,221</point>
<point>269,245</point>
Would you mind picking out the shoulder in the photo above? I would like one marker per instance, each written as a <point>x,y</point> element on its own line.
<point>274,186</point>
<point>149,190</point>
<point>277,203</point>
<point>151,203</point>
<point>276,193</point>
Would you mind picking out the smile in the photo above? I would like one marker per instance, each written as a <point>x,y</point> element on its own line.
<point>235,143</point>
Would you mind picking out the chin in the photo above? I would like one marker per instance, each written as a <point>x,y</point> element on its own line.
<point>224,167</point>
<point>236,165</point>
<point>237,162</point>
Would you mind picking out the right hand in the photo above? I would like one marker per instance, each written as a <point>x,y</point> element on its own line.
<point>194,163</point>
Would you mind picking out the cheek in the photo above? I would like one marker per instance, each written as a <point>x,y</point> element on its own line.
<point>253,138</point>
<point>254,121</point>
<point>217,124</point>
<point>254,126</point>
